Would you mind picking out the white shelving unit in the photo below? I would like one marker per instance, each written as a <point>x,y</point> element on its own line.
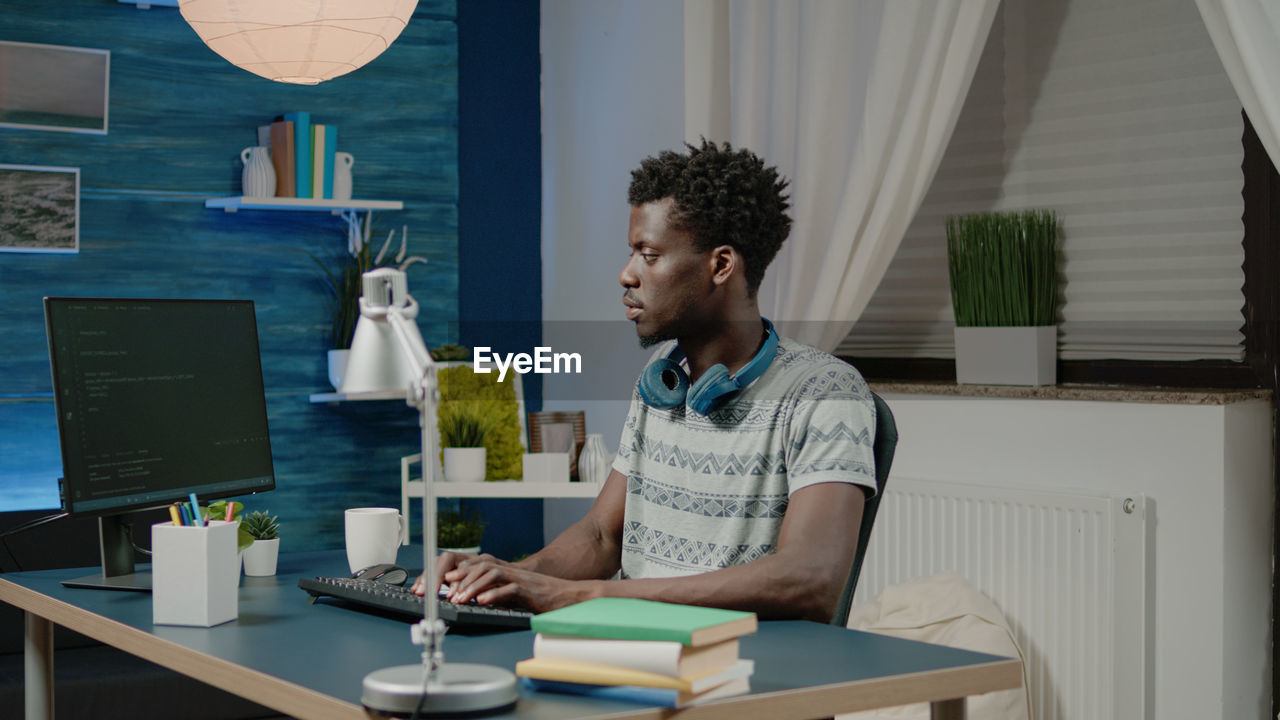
<point>337,207</point>
<point>510,489</point>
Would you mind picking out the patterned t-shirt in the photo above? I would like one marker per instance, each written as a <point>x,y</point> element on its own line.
<point>709,491</point>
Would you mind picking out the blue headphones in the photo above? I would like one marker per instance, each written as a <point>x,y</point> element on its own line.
<point>665,385</point>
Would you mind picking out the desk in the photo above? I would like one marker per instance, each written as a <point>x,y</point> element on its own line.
<point>308,661</point>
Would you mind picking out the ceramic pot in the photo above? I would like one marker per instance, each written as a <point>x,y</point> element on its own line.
<point>337,366</point>
<point>342,163</point>
<point>593,462</point>
<point>258,179</point>
<point>473,550</point>
<point>464,464</point>
<point>260,558</point>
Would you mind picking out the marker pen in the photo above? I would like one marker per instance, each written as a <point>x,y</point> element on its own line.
<point>186,514</point>
<point>195,511</point>
<point>231,508</point>
<point>173,513</point>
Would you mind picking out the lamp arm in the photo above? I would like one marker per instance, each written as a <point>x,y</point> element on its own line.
<point>423,394</point>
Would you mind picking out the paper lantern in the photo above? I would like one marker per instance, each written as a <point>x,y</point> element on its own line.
<point>298,41</point>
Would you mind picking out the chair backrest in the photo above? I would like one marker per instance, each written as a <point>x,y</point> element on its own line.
<point>885,443</point>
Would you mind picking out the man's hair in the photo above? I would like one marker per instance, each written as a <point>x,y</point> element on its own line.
<point>722,197</point>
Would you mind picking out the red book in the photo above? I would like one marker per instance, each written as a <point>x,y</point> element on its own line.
<point>282,157</point>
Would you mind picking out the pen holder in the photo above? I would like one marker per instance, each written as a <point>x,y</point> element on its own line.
<point>195,574</point>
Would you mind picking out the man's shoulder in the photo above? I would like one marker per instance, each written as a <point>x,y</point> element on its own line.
<point>814,373</point>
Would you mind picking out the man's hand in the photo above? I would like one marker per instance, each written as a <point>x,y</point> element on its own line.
<point>490,581</point>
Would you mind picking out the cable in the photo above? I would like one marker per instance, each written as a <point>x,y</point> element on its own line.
<point>32,524</point>
<point>23,528</point>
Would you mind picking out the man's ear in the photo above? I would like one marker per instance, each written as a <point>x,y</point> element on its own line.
<point>725,263</point>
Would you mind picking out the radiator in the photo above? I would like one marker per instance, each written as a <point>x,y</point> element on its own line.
<point>1070,571</point>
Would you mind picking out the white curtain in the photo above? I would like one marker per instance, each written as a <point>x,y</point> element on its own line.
<point>855,102</point>
<point>1246,34</point>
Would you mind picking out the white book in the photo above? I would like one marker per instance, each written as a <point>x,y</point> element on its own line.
<point>656,656</point>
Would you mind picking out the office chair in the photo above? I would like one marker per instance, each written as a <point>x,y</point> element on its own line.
<point>885,443</point>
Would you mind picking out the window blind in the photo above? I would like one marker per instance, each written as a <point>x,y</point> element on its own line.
<point>1121,118</point>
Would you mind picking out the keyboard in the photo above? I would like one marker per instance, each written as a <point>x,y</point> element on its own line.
<point>402,601</point>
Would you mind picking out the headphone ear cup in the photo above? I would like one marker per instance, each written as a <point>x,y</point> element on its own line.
<point>663,384</point>
<point>714,385</point>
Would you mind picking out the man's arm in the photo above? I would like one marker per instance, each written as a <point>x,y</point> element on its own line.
<point>802,579</point>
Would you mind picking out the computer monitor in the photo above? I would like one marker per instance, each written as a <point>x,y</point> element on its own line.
<point>156,399</point>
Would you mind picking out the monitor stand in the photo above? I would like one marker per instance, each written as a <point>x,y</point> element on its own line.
<point>117,561</point>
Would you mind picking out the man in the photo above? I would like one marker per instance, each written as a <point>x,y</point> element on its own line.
<point>744,490</point>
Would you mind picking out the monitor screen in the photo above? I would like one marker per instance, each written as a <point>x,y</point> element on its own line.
<point>157,399</point>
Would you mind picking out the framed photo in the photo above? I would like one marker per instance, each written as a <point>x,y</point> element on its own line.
<point>39,209</point>
<point>54,87</point>
<point>564,431</point>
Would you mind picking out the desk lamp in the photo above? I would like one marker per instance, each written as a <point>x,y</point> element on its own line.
<point>386,329</point>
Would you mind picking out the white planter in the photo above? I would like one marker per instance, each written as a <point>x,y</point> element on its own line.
<point>473,550</point>
<point>337,366</point>
<point>260,557</point>
<point>1007,355</point>
<point>464,464</point>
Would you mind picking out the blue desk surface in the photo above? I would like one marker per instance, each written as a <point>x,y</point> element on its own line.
<point>803,669</point>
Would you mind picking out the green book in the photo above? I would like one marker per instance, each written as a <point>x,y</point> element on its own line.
<point>631,619</point>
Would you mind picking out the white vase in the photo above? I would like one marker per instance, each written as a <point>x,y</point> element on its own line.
<point>1007,355</point>
<point>337,366</point>
<point>260,558</point>
<point>593,462</point>
<point>342,163</point>
<point>258,179</point>
<point>464,464</point>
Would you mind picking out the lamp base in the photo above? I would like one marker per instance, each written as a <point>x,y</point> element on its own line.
<point>458,688</point>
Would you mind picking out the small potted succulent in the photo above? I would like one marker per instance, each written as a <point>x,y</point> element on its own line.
<point>463,428</point>
<point>260,558</point>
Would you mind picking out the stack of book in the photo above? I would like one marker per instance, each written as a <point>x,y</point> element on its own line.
<point>302,153</point>
<point>649,652</point>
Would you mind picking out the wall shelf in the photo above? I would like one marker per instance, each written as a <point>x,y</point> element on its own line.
<point>507,489</point>
<point>337,397</point>
<point>243,202</point>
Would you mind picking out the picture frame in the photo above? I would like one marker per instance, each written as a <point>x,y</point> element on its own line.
<point>54,87</point>
<point>39,209</point>
<point>559,431</point>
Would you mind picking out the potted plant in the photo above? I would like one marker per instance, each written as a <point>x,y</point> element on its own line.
<point>463,428</point>
<point>217,510</point>
<point>260,558</point>
<point>343,280</point>
<point>1004,290</point>
<point>459,533</point>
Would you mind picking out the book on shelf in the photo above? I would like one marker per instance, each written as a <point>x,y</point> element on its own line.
<point>665,697</point>
<point>324,138</point>
<point>599,674</point>
<point>656,656</point>
<point>282,158</point>
<point>301,152</point>
<point>330,148</point>
<point>632,619</point>
<point>317,160</point>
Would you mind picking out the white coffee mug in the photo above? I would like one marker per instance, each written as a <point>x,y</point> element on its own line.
<point>373,536</point>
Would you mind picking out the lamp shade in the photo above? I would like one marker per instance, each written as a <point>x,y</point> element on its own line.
<point>378,362</point>
<point>298,41</point>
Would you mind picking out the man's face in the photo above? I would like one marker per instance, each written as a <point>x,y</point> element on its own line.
<point>665,275</point>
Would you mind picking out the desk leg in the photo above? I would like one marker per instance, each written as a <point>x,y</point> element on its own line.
<point>38,655</point>
<point>947,709</point>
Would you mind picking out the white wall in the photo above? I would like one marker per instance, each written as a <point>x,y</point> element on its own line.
<point>612,94</point>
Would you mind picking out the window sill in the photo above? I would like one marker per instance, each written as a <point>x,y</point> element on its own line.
<point>1095,393</point>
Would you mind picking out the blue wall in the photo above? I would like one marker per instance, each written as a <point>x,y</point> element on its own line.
<point>500,214</point>
<point>179,116</point>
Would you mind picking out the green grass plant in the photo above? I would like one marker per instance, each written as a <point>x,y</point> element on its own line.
<point>1004,268</point>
